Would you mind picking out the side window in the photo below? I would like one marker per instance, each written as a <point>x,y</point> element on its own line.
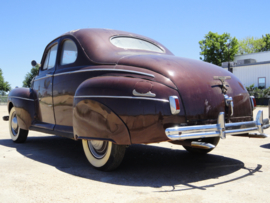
<point>50,58</point>
<point>69,52</point>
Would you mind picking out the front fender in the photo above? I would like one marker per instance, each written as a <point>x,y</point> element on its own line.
<point>23,99</point>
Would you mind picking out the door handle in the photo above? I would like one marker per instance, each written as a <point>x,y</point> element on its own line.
<point>48,74</point>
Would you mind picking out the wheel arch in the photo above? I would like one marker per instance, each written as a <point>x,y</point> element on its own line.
<point>10,105</point>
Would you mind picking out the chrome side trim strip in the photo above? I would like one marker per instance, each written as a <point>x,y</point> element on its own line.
<point>47,76</point>
<point>220,129</point>
<point>21,98</point>
<point>121,97</point>
<point>106,69</point>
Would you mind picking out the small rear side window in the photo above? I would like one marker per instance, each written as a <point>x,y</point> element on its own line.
<point>69,52</point>
<point>135,43</point>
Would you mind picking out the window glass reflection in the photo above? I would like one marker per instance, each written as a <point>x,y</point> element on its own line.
<point>53,54</point>
<point>50,58</point>
<point>134,43</point>
<point>262,83</point>
<point>69,52</point>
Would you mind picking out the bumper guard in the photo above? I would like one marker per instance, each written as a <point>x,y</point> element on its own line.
<point>254,128</point>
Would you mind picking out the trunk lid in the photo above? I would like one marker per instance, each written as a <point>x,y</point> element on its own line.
<point>201,94</point>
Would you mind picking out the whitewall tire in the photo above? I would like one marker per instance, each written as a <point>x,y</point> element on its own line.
<point>103,155</point>
<point>17,134</point>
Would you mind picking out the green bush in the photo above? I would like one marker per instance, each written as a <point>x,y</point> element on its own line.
<point>258,93</point>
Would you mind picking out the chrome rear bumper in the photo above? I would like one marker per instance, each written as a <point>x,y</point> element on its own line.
<point>254,128</point>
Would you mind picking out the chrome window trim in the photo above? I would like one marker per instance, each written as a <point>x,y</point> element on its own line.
<point>47,76</point>
<point>106,69</point>
<point>121,97</point>
<point>21,98</point>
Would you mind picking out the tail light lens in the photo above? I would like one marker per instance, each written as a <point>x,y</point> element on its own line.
<point>174,104</point>
<point>253,102</point>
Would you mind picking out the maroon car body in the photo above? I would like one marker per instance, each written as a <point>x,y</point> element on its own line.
<point>121,95</point>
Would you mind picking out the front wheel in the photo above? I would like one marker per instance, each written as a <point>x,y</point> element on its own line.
<point>211,140</point>
<point>17,134</point>
<point>103,155</point>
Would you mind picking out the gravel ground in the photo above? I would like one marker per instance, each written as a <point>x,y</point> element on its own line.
<point>53,169</point>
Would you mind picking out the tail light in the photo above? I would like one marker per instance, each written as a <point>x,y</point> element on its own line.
<point>174,104</point>
<point>253,102</point>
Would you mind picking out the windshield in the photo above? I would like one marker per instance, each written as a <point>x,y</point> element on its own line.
<point>135,43</point>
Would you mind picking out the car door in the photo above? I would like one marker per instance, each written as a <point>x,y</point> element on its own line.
<point>43,86</point>
<point>69,74</point>
<point>65,84</point>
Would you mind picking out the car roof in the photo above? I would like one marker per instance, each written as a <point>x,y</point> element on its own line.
<point>97,45</point>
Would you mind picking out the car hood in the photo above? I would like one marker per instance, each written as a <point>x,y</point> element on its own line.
<point>201,94</point>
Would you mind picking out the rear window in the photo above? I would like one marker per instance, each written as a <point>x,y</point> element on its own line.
<point>135,43</point>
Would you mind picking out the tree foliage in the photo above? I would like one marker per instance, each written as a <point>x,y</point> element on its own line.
<point>266,43</point>
<point>250,45</point>
<point>4,86</point>
<point>214,48</point>
<point>30,75</point>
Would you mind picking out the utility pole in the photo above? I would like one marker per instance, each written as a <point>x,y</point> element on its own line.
<point>229,65</point>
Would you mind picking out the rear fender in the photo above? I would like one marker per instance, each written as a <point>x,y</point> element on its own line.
<point>93,120</point>
<point>108,107</point>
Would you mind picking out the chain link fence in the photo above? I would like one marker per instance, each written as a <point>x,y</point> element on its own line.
<point>3,100</point>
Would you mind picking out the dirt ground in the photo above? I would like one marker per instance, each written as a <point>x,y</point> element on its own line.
<point>53,169</point>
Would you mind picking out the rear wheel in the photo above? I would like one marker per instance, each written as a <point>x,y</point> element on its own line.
<point>17,134</point>
<point>103,155</point>
<point>211,140</point>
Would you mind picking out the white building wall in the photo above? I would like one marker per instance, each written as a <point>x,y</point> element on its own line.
<point>249,75</point>
<point>259,57</point>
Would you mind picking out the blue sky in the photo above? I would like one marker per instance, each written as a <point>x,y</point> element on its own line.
<point>28,26</point>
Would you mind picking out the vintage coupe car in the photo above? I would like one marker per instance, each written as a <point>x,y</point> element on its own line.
<point>112,89</point>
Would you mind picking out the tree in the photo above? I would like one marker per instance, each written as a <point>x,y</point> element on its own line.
<point>29,76</point>
<point>266,41</point>
<point>250,45</point>
<point>4,86</point>
<point>214,48</point>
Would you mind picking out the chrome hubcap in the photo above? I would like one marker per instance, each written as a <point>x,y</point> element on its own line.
<point>98,148</point>
<point>14,124</point>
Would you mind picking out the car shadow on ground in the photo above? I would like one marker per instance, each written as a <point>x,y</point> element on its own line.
<point>143,165</point>
<point>266,146</point>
